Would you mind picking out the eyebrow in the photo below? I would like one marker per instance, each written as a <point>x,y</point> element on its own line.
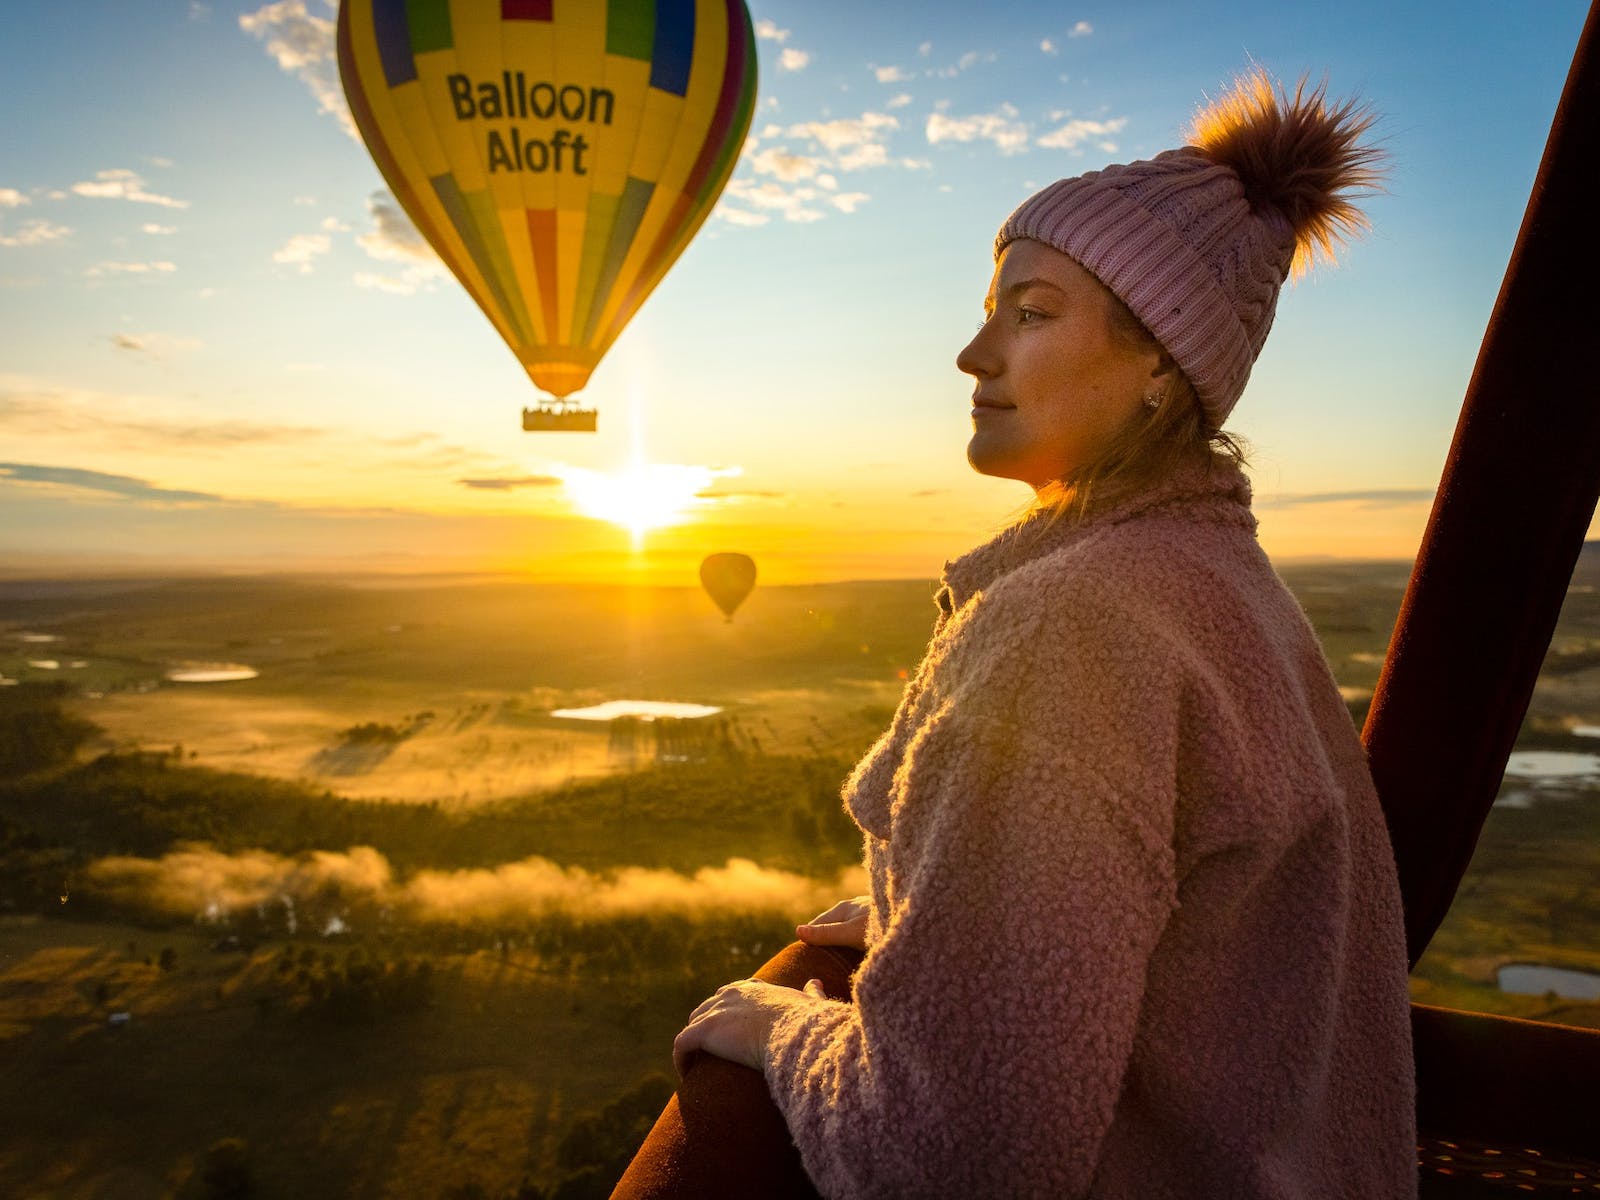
<point>1016,289</point>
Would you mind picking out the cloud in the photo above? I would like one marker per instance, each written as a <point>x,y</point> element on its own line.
<point>900,101</point>
<point>776,160</point>
<point>11,198</point>
<point>771,197</point>
<point>302,44</point>
<point>1049,47</point>
<point>129,422</point>
<point>763,195</point>
<point>511,482</point>
<point>156,345</point>
<point>302,250</point>
<point>35,233</point>
<point>1009,135</point>
<point>841,144</point>
<point>924,49</point>
<point>892,74</point>
<point>151,227</point>
<point>159,267</point>
<point>1373,498</point>
<point>847,135</point>
<point>968,60</point>
<point>794,203</point>
<point>847,201</point>
<point>738,216</point>
<point>790,59</point>
<point>1074,133</point>
<point>118,183</point>
<point>394,239</point>
<point>125,486</point>
<point>1081,29</point>
<point>197,879</point>
<point>395,285</point>
<point>718,493</point>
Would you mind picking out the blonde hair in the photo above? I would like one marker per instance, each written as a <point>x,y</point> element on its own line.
<point>1152,445</point>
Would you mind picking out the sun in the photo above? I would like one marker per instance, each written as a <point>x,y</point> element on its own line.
<point>641,496</point>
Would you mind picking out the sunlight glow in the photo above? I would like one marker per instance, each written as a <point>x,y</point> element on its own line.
<point>641,496</point>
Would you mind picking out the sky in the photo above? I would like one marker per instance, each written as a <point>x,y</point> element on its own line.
<point>223,346</point>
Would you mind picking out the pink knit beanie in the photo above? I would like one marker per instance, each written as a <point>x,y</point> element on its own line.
<point>1197,241</point>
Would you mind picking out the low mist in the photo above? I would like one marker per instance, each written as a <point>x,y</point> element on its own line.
<point>200,880</point>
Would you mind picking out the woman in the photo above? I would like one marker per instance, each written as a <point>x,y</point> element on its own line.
<point>1134,928</point>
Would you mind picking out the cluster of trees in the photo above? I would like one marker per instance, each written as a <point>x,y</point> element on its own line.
<point>225,1172</point>
<point>377,733</point>
<point>597,1146</point>
<point>36,733</point>
<point>593,1152</point>
<point>314,985</point>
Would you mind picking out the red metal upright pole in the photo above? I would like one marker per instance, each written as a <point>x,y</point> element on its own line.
<point>1518,492</point>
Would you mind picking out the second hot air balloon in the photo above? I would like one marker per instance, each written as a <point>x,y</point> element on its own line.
<point>728,579</point>
<point>558,154</point>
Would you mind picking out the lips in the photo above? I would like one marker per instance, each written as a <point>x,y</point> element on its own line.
<point>990,403</point>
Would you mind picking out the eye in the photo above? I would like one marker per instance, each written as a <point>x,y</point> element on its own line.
<point>1028,316</point>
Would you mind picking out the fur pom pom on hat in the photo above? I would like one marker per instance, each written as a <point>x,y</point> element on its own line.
<point>1197,241</point>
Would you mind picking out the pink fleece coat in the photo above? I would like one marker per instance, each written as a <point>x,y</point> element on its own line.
<point>1135,929</point>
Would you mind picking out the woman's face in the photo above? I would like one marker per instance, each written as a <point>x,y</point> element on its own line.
<point>1052,383</point>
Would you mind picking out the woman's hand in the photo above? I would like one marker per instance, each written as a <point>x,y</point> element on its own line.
<point>734,1023</point>
<point>845,924</point>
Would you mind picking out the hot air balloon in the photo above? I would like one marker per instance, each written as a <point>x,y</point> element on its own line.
<point>558,154</point>
<point>728,579</point>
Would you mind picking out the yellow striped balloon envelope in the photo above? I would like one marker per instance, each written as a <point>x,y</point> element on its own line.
<point>558,154</point>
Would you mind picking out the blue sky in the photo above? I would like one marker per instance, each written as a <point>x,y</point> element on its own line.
<point>222,346</point>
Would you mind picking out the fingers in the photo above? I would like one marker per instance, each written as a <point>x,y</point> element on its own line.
<point>814,989</point>
<point>819,935</point>
<point>850,933</point>
<point>710,1001</point>
<point>684,1050</point>
<point>844,924</point>
<point>836,913</point>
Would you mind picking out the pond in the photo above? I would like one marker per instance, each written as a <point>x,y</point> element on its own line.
<point>211,673</point>
<point>644,710</point>
<point>1553,766</point>
<point>1530,979</point>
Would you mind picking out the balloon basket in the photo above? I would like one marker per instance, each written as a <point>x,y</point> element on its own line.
<point>549,418</point>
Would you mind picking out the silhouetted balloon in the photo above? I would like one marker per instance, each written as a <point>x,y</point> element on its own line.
<point>558,154</point>
<point>728,579</point>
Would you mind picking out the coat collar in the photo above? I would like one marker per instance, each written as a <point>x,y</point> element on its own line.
<point>1215,491</point>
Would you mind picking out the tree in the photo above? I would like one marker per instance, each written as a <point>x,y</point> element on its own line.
<point>225,1172</point>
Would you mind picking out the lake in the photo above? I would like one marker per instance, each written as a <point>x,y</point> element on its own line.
<point>644,710</point>
<point>211,673</point>
<point>1553,766</point>
<point>1529,979</point>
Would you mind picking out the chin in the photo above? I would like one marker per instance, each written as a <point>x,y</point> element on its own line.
<point>993,460</point>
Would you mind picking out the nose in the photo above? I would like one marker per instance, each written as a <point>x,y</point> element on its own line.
<point>975,358</point>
